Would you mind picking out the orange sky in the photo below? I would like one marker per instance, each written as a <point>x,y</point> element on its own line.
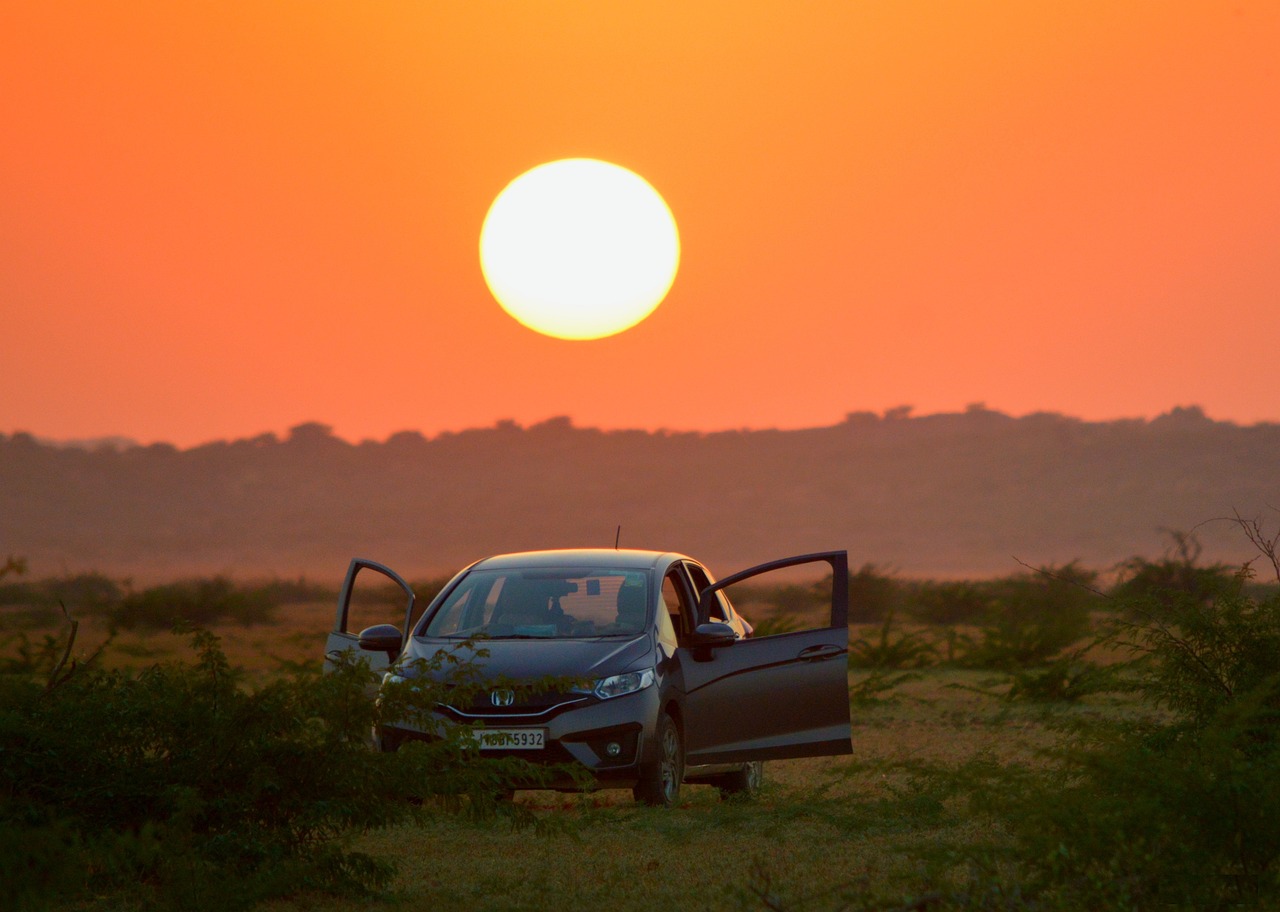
<point>220,219</point>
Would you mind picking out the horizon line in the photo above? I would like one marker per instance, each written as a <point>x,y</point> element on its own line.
<point>314,429</point>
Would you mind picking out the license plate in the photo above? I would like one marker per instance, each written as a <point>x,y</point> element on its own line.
<point>510,738</point>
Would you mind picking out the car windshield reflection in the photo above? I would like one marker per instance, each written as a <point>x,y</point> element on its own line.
<point>542,604</point>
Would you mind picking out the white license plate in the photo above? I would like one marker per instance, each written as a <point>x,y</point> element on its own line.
<point>510,738</point>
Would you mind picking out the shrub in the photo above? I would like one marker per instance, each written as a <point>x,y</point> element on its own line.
<point>89,591</point>
<point>195,601</point>
<point>1176,577</point>
<point>947,602</point>
<point>873,596</point>
<point>885,650</point>
<point>786,598</point>
<point>292,592</point>
<point>1030,619</point>
<point>876,687</point>
<point>179,788</point>
<point>199,601</point>
<point>777,623</point>
<point>1177,809</point>
<point>1067,679</point>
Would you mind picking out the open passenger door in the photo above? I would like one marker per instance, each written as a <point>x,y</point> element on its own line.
<point>769,697</point>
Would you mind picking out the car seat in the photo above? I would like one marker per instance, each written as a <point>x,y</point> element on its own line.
<point>631,607</point>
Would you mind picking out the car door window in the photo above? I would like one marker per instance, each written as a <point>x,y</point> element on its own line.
<point>374,600</point>
<point>701,580</point>
<point>678,602</point>
<point>667,630</point>
<point>368,598</point>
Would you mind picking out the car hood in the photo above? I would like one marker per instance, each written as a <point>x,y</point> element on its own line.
<point>543,658</point>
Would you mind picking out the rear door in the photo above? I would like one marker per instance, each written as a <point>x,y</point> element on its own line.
<point>371,594</point>
<point>770,697</point>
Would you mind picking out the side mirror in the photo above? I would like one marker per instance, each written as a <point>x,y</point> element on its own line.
<point>382,638</point>
<point>714,635</point>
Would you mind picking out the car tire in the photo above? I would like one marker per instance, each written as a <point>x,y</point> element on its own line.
<point>744,782</point>
<point>659,785</point>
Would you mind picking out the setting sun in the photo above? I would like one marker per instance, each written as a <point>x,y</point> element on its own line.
<point>579,249</point>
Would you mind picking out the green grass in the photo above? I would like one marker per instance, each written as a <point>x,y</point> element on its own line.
<point>865,831</point>
<point>944,759</point>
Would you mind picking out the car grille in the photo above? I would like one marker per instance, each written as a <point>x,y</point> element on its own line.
<point>525,706</point>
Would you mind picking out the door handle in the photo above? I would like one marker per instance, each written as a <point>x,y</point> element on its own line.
<point>336,654</point>
<point>820,652</point>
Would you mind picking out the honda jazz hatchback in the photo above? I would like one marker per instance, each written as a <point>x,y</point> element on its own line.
<point>671,686</point>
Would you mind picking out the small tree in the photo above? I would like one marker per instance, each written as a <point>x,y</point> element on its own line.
<point>1176,809</point>
<point>1177,577</point>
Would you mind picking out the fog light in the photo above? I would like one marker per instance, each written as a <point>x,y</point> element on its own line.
<point>613,749</point>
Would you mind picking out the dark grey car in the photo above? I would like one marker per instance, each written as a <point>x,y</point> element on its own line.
<point>676,688</point>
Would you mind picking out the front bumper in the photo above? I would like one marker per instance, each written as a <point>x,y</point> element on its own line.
<point>611,740</point>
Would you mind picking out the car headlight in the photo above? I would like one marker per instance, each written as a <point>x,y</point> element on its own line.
<point>620,685</point>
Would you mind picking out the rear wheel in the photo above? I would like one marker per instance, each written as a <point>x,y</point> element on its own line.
<point>745,781</point>
<point>659,786</point>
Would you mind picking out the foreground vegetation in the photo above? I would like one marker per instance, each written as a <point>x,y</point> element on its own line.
<point>1038,742</point>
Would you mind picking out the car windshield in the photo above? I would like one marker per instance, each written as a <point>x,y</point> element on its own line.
<point>544,603</point>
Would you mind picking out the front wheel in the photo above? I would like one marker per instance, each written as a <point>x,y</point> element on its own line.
<point>660,785</point>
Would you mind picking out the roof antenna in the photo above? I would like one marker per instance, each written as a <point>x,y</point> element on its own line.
<point>617,538</point>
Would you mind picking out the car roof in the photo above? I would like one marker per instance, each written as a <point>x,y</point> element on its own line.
<point>625,559</point>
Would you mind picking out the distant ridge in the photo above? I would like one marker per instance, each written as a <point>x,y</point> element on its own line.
<point>939,495</point>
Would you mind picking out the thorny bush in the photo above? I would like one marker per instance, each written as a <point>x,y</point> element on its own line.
<point>1177,808</point>
<point>178,787</point>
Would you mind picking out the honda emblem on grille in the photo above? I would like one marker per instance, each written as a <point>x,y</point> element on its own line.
<point>502,697</point>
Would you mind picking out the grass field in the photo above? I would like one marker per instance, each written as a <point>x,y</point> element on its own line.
<point>866,831</point>
<point>896,825</point>
<point>852,832</point>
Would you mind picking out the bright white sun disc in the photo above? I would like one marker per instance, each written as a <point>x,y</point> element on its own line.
<point>579,249</point>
